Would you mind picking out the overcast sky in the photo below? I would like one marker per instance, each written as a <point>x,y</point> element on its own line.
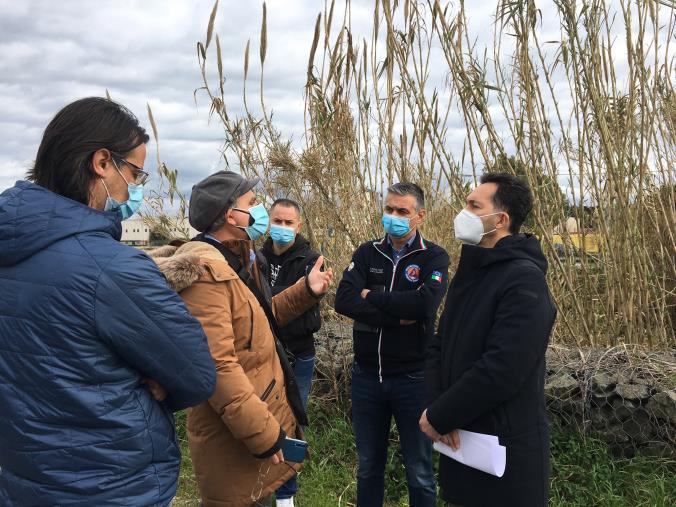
<point>53,52</point>
<point>142,52</point>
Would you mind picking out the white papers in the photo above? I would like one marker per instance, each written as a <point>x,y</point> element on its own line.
<point>479,451</point>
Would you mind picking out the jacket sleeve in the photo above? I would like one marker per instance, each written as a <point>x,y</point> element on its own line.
<point>148,325</point>
<point>515,345</point>
<point>348,296</point>
<point>419,304</point>
<point>293,302</point>
<point>234,399</point>
<point>276,289</point>
<point>310,321</point>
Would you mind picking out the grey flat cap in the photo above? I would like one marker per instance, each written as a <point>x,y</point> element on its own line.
<point>211,196</point>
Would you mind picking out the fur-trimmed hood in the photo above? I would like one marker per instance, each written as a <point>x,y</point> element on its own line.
<point>185,264</point>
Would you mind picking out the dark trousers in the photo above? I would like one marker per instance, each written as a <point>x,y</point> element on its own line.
<point>373,405</point>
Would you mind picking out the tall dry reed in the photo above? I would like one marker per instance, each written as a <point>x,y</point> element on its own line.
<point>592,112</point>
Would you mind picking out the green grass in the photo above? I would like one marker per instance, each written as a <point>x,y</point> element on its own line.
<point>187,493</point>
<point>584,472</point>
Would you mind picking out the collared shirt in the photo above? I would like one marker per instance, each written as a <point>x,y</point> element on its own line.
<point>252,254</point>
<point>397,254</point>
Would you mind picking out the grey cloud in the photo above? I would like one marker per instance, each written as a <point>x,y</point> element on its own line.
<point>143,52</point>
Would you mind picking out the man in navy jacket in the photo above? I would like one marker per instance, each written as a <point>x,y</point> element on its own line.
<point>392,289</point>
<point>486,365</point>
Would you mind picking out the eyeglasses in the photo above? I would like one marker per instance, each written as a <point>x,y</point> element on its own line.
<point>140,176</point>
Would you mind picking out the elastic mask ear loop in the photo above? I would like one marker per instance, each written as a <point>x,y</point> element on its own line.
<point>119,172</point>
<point>251,219</point>
<point>490,214</point>
<point>105,186</point>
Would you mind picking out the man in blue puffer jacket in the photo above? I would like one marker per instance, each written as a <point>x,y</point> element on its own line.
<point>91,337</point>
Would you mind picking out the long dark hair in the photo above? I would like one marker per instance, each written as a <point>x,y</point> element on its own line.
<point>63,163</point>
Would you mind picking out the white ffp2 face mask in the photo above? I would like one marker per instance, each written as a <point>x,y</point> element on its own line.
<point>469,228</point>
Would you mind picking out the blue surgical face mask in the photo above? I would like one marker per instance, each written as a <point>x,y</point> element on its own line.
<point>396,226</point>
<point>131,205</point>
<point>258,221</point>
<point>282,235</point>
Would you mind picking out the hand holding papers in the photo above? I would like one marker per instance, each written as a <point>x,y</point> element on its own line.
<point>479,451</point>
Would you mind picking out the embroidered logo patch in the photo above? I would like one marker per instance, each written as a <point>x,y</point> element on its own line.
<point>437,276</point>
<point>412,273</point>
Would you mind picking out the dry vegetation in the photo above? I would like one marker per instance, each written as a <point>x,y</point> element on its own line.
<point>593,111</point>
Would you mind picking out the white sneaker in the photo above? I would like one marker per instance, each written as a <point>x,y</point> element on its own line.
<point>285,502</point>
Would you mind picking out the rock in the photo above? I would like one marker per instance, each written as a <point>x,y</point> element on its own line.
<point>602,399</point>
<point>642,417</point>
<point>335,330</point>
<point>631,378</point>
<point>641,381</point>
<point>573,406</point>
<point>638,432</point>
<point>565,414</point>
<point>599,419</point>
<point>614,435</point>
<point>602,383</point>
<point>623,409</point>
<point>334,354</point>
<point>663,406</point>
<point>635,392</point>
<point>561,387</point>
<point>560,360</point>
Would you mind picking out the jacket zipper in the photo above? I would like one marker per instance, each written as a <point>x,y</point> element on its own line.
<point>380,335</point>
<point>268,390</point>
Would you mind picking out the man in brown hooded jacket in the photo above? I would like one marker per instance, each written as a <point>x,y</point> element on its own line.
<point>236,437</point>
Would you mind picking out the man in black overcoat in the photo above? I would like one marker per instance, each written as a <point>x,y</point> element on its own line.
<point>486,364</point>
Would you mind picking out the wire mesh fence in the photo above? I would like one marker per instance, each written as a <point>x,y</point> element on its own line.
<point>624,397</point>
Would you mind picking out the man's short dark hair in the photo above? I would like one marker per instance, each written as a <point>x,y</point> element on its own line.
<point>513,196</point>
<point>287,203</point>
<point>63,162</point>
<point>406,188</point>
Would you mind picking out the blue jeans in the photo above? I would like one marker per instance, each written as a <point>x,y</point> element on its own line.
<point>303,368</point>
<point>373,405</point>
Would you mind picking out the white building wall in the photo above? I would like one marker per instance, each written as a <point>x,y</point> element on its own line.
<point>135,232</point>
<point>182,229</point>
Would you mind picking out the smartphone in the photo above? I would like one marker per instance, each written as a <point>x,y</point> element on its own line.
<point>294,450</point>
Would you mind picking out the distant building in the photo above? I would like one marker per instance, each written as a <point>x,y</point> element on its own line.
<point>136,231</point>
<point>586,240</point>
<point>183,229</point>
<point>570,226</point>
